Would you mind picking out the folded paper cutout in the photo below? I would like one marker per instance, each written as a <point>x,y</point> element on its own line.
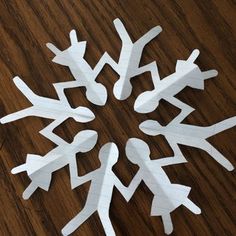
<point>190,135</point>
<point>103,181</point>
<point>130,57</point>
<point>167,196</point>
<point>85,76</point>
<point>58,110</point>
<point>187,74</point>
<point>40,169</point>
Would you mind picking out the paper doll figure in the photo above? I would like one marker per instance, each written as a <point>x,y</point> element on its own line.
<point>85,76</point>
<point>187,74</point>
<point>40,169</point>
<point>190,135</point>
<point>130,56</point>
<point>103,180</point>
<point>167,196</point>
<point>58,110</point>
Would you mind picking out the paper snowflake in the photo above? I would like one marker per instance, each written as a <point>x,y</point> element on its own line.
<point>167,196</point>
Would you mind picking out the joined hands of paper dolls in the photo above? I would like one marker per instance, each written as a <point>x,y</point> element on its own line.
<point>167,196</point>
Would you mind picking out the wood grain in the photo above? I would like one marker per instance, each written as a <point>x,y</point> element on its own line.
<point>25,28</point>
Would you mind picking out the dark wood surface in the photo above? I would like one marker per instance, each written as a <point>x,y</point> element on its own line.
<point>25,28</point>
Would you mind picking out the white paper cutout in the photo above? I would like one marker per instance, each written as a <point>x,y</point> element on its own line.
<point>58,110</point>
<point>187,74</point>
<point>190,135</point>
<point>130,56</point>
<point>85,76</point>
<point>167,196</point>
<point>103,181</point>
<point>40,169</point>
<point>127,67</point>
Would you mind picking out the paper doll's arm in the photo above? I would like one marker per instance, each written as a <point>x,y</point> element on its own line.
<point>152,67</point>
<point>31,187</point>
<point>150,35</point>
<point>105,59</point>
<point>74,178</point>
<point>122,31</point>
<point>79,180</point>
<point>48,132</point>
<point>185,110</point>
<point>176,159</point>
<point>60,87</point>
<point>24,88</point>
<point>29,94</point>
<point>128,192</point>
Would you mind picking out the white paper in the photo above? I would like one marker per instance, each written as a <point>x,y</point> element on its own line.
<point>40,169</point>
<point>187,74</point>
<point>128,65</point>
<point>58,110</point>
<point>84,75</point>
<point>103,181</point>
<point>167,196</point>
<point>190,135</point>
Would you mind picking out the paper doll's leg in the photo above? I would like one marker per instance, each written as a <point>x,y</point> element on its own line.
<point>152,67</point>
<point>53,48</point>
<point>209,74</point>
<point>23,87</point>
<point>192,206</point>
<point>167,222</point>
<point>150,35</point>
<point>78,220</point>
<point>106,222</point>
<point>48,132</point>
<point>121,31</point>
<point>18,115</point>
<point>19,169</point>
<point>221,126</point>
<point>29,190</point>
<point>32,186</point>
<point>216,155</point>
<point>105,59</point>
<point>194,55</point>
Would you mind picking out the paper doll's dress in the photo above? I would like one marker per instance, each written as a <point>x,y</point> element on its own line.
<point>172,197</point>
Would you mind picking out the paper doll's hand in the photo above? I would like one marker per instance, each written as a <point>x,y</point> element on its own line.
<point>128,192</point>
<point>80,180</point>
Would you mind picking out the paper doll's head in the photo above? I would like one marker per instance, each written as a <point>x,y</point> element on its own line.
<point>71,55</point>
<point>147,102</point>
<point>82,114</point>
<point>137,151</point>
<point>97,93</point>
<point>108,154</point>
<point>85,140</point>
<point>151,127</point>
<point>122,89</point>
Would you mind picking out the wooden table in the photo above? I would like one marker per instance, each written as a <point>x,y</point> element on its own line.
<point>26,26</point>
